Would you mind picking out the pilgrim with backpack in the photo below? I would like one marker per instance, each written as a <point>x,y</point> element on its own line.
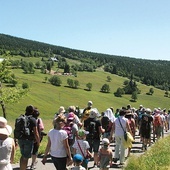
<point>26,133</point>
<point>94,127</point>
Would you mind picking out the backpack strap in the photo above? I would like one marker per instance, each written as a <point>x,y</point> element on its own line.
<point>80,148</point>
<point>121,124</point>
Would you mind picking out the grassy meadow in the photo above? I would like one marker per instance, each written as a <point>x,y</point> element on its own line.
<point>49,98</point>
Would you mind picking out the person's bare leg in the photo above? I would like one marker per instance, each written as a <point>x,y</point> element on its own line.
<point>23,163</point>
<point>129,149</point>
<point>33,159</point>
<point>95,158</point>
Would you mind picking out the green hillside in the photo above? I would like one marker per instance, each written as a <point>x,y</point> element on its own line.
<point>49,98</point>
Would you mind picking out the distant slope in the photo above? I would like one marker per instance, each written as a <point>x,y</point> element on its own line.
<point>149,72</point>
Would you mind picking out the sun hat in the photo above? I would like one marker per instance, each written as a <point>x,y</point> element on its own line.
<point>90,103</point>
<point>141,105</point>
<point>148,110</point>
<point>61,109</point>
<point>105,141</point>
<point>77,158</point>
<point>93,113</point>
<point>70,116</point>
<point>82,133</point>
<point>4,128</point>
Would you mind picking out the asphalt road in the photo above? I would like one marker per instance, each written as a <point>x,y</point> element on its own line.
<point>136,150</point>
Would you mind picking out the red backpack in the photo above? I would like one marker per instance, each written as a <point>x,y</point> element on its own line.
<point>157,120</point>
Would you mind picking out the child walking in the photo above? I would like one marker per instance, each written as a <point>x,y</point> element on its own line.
<point>78,159</point>
<point>81,146</point>
<point>105,155</point>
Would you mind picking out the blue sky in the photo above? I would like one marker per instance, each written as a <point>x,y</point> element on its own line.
<point>133,28</point>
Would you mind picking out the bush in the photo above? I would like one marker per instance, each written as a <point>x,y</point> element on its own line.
<point>25,85</point>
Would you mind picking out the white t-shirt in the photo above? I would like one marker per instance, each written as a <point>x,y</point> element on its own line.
<point>57,138</point>
<point>118,128</point>
<point>5,153</point>
<point>84,146</point>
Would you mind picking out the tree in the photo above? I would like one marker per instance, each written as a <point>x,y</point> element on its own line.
<point>55,80</point>
<point>119,92</point>
<point>151,91</point>
<point>166,94</point>
<point>25,85</point>
<point>38,64</point>
<point>45,79</point>
<point>109,78</point>
<point>70,82</point>
<point>43,68</point>
<point>105,88</point>
<point>131,87</point>
<point>49,66</point>
<point>89,86</point>
<point>28,67</point>
<point>126,82</point>
<point>67,68</point>
<point>134,96</point>
<point>8,95</point>
<point>76,83</point>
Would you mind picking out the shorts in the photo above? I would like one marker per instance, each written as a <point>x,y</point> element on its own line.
<point>94,145</point>
<point>59,163</point>
<point>35,149</point>
<point>26,147</point>
<point>146,133</point>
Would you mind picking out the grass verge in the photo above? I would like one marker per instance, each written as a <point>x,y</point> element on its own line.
<point>157,158</point>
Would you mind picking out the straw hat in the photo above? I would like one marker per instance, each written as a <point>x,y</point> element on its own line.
<point>4,128</point>
<point>61,109</point>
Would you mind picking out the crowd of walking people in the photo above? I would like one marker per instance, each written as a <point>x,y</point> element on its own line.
<point>74,139</point>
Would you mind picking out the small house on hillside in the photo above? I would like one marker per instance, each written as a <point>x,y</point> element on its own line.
<point>53,59</point>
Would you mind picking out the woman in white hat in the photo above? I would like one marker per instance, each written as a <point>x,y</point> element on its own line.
<point>7,146</point>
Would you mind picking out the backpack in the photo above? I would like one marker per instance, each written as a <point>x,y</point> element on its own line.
<point>22,127</point>
<point>105,121</point>
<point>68,129</point>
<point>91,128</point>
<point>157,121</point>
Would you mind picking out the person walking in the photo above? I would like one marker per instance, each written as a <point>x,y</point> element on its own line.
<point>78,159</point>
<point>57,145</point>
<point>107,121</point>
<point>94,127</point>
<point>7,145</point>
<point>105,155</point>
<point>120,125</point>
<point>132,126</point>
<point>86,111</point>
<point>81,146</point>
<point>40,127</point>
<point>145,130</point>
<point>26,142</point>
